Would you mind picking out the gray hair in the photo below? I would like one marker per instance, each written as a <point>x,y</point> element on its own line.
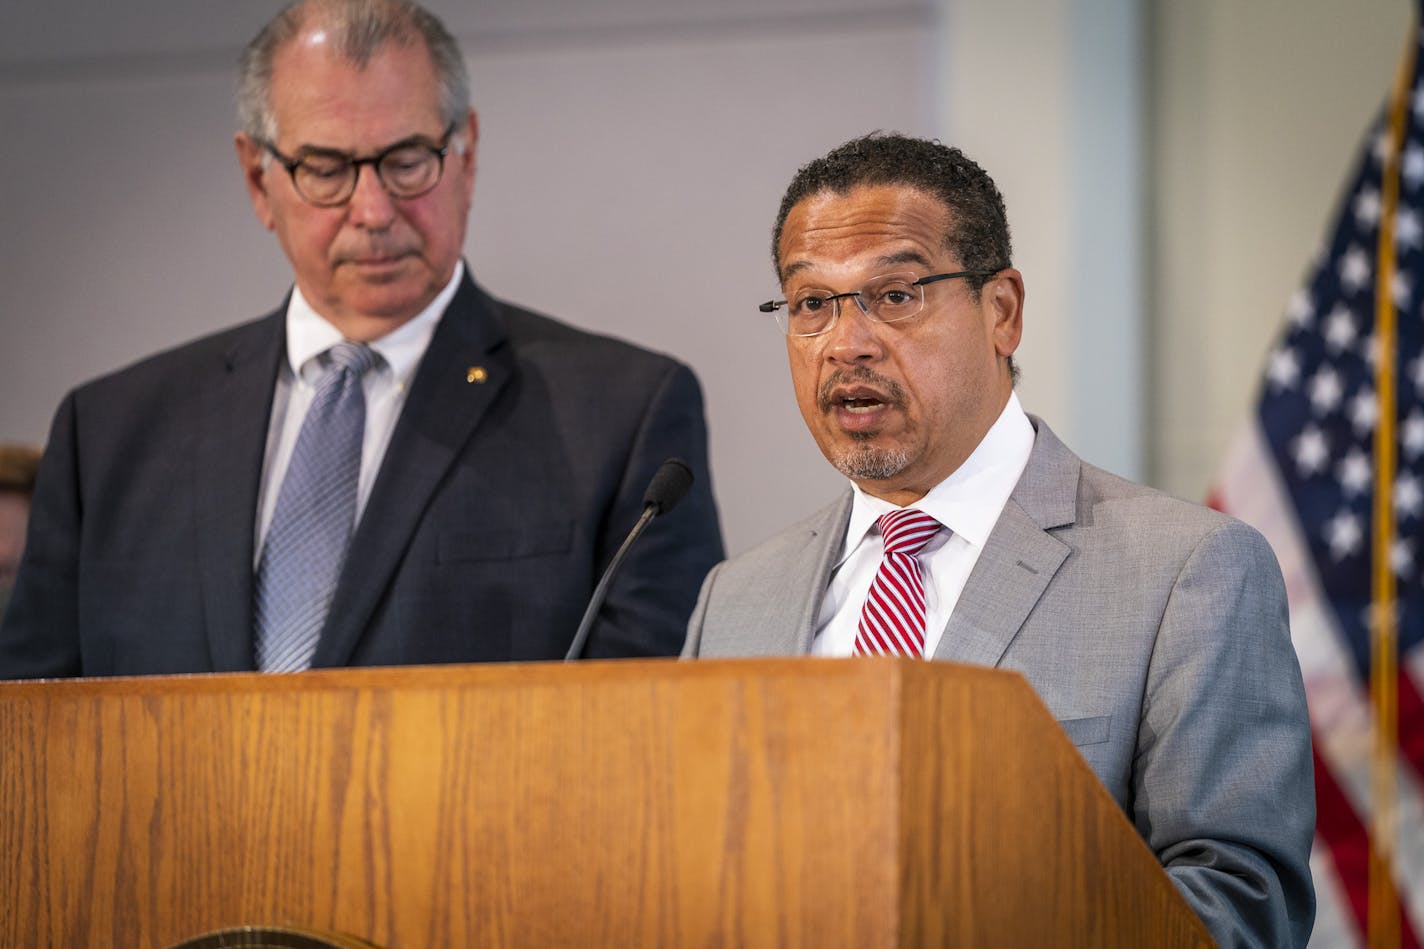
<point>358,29</point>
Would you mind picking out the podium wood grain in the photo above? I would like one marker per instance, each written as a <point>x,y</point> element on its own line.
<point>796,803</point>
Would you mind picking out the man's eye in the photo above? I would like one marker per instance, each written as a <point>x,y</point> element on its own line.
<point>323,167</point>
<point>896,297</point>
<point>809,304</point>
<point>407,159</point>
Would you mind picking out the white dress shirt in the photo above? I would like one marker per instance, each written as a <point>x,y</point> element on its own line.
<point>309,336</point>
<point>968,503</point>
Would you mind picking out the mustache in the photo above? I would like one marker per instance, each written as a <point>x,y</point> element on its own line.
<point>894,393</point>
<point>375,246</point>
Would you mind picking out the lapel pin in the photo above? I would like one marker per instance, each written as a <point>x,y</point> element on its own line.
<point>476,374</point>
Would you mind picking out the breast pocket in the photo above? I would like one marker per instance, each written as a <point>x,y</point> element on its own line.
<point>1087,731</point>
<point>505,542</point>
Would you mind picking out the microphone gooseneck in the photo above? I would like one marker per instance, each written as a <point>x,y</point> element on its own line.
<point>669,486</point>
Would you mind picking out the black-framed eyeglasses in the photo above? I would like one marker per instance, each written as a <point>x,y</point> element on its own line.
<point>327,178</point>
<point>888,298</point>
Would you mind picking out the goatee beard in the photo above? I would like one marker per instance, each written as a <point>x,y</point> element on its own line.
<point>869,463</point>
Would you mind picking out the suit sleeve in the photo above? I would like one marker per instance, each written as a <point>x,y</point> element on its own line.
<point>692,645</point>
<point>649,602</point>
<point>39,635</point>
<point>1224,792</point>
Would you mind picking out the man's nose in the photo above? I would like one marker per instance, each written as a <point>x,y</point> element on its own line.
<point>854,337</point>
<point>371,205</point>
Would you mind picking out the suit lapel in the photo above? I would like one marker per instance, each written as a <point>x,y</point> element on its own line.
<point>446,402</point>
<point>788,625</point>
<point>1019,559</point>
<point>234,409</point>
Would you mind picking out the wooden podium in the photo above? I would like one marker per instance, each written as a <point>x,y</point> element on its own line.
<point>798,803</point>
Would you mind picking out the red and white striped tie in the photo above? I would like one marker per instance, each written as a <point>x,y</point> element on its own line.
<point>893,621</point>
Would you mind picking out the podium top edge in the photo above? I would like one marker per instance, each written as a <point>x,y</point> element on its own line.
<point>494,675</point>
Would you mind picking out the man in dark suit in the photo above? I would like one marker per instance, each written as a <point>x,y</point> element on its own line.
<point>457,484</point>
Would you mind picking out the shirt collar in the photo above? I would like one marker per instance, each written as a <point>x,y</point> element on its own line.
<point>971,499</point>
<point>309,335</point>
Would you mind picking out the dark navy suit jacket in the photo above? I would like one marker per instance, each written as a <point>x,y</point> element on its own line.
<point>496,507</point>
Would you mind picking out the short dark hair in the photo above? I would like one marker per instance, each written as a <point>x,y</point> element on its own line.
<point>979,226</point>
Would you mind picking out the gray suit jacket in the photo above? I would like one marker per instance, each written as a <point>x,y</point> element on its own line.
<point>1154,630</point>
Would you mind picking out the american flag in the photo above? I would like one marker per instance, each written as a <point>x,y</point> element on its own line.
<point>1339,425</point>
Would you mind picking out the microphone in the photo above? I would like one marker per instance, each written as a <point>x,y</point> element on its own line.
<point>669,486</point>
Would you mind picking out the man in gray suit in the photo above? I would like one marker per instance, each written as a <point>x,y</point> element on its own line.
<point>1154,630</point>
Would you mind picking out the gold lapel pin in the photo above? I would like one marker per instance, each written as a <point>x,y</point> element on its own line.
<point>476,374</point>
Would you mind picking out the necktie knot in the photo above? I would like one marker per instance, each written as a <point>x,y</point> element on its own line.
<point>351,357</point>
<point>907,530</point>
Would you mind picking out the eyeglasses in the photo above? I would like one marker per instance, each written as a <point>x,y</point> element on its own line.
<point>889,298</point>
<point>327,178</point>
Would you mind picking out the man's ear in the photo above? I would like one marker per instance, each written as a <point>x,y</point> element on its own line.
<point>1004,296</point>
<point>470,132</point>
<point>250,156</point>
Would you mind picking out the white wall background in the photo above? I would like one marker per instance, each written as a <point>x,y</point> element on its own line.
<point>1167,168</point>
<point>1257,111</point>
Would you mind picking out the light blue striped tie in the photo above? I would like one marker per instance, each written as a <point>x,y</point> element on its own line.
<point>315,513</point>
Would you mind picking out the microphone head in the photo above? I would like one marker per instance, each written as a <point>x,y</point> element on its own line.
<point>669,486</point>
